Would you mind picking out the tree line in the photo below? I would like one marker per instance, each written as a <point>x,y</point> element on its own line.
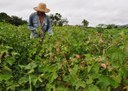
<point>14,20</point>
<point>56,20</point>
<point>110,26</point>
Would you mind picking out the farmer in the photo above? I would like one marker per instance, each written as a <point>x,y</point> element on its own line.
<point>40,19</point>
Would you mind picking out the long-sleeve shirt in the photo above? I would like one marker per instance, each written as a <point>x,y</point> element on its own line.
<point>34,23</point>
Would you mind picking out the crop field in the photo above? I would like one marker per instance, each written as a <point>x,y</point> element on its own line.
<point>73,59</point>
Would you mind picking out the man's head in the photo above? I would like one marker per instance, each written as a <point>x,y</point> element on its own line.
<point>42,8</point>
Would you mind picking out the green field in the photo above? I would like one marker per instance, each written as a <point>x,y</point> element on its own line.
<point>73,59</point>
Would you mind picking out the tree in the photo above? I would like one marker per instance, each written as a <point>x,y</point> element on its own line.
<point>57,20</point>
<point>17,21</point>
<point>85,23</point>
<point>110,26</point>
<point>4,17</point>
<point>101,26</point>
<point>65,21</point>
<point>58,16</point>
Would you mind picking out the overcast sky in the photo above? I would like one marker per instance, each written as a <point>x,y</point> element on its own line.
<point>95,11</point>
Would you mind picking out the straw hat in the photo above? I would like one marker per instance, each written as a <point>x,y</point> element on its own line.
<point>42,8</point>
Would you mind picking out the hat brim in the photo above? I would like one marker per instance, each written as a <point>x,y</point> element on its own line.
<point>45,11</point>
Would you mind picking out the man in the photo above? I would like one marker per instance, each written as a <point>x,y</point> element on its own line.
<point>40,19</point>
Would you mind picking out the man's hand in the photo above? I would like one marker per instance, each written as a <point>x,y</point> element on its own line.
<point>41,33</point>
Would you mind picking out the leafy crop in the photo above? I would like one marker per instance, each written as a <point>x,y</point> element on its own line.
<point>74,59</point>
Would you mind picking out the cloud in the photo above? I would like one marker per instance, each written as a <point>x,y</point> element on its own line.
<point>95,11</point>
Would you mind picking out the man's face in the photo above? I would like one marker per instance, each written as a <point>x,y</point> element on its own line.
<point>40,13</point>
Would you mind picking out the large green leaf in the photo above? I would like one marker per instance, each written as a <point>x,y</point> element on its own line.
<point>5,76</point>
<point>92,88</point>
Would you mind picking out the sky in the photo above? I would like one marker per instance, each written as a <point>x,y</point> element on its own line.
<point>95,11</point>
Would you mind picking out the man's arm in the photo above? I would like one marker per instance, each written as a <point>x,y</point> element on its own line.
<point>49,27</point>
<point>30,24</point>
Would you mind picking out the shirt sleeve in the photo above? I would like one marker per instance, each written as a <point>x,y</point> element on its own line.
<point>30,23</point>
<point>49,27</point>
